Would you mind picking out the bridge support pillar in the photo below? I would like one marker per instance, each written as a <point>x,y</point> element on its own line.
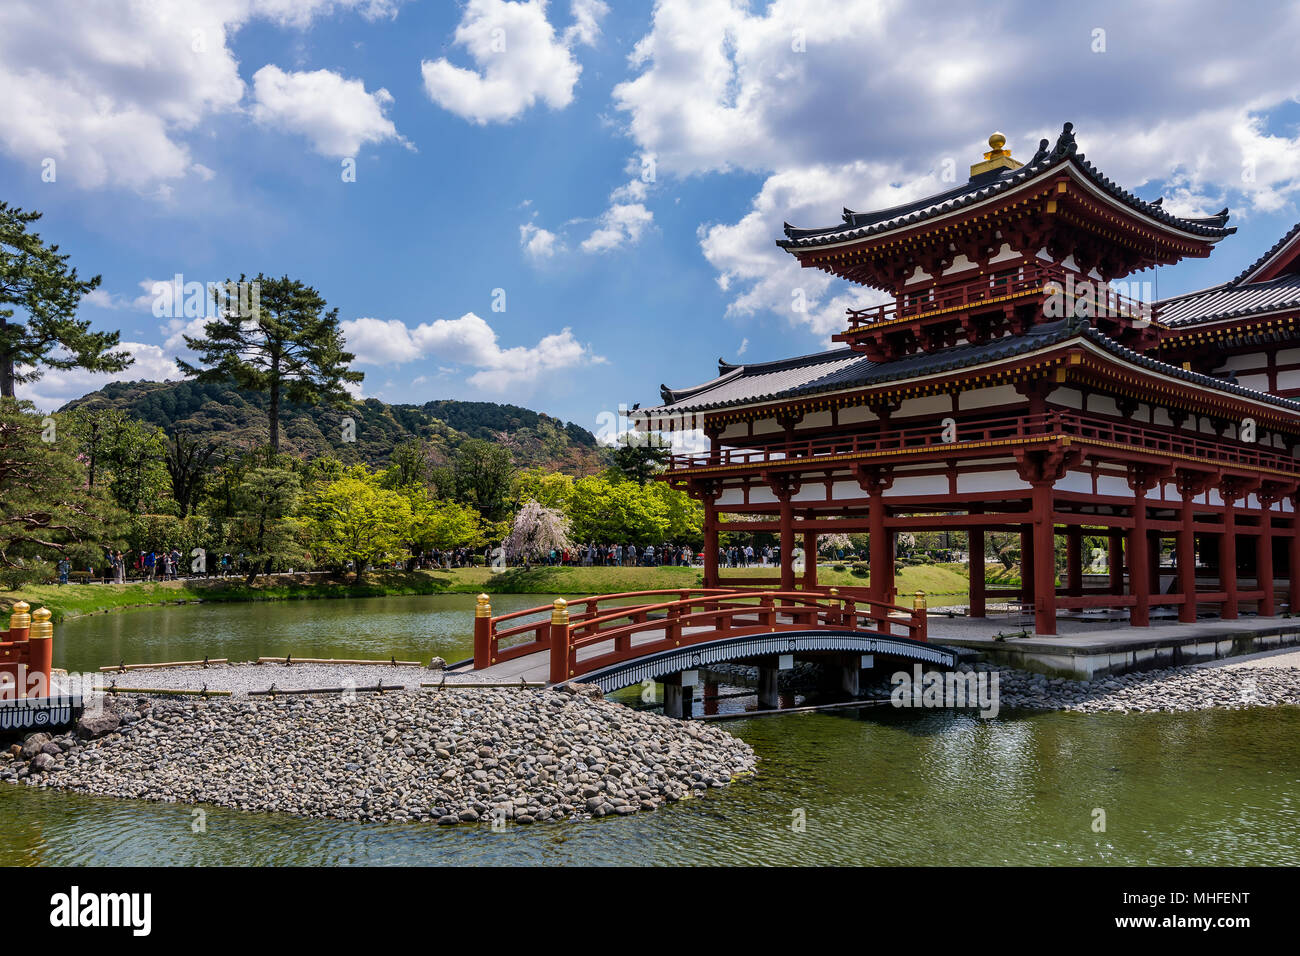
<point>769,682</point>
<point>850,674</point>
<point>679,695</point>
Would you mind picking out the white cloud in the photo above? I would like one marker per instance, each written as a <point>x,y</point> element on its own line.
<point>587,15</point>
<point>467,341</point>
<point>56,387</point>
<point>619,225</point>
<point>519,60</point>
<point>110,94</point>
<point>336,114</point>
<point>539,243</point>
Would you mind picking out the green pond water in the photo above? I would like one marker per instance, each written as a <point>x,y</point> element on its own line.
<point>869,787</point>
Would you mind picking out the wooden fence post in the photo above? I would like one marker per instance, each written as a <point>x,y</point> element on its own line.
<point>483,633</point>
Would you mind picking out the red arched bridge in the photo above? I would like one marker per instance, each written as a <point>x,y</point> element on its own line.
<point>618,640</point>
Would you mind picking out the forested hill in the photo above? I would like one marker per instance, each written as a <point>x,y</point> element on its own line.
<point>230,415</point>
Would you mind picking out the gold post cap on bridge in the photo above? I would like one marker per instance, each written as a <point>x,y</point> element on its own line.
<point>42,629</point>
<point>560,615</point>
<point>20,617</point>
<point>918,603</point>
<point>484,606</point>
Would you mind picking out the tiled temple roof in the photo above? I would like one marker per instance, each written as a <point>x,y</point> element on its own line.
<point>860,225</point>
<point>1230,301</point>
<point>844,368</point>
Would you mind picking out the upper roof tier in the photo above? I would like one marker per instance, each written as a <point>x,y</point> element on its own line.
<point>1057,204</point>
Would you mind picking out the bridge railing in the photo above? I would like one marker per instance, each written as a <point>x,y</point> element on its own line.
<point>695,616</point>
<point>494,644</point>
<point>673,624</point>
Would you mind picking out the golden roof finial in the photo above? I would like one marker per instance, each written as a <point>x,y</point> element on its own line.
<point>996,157</point>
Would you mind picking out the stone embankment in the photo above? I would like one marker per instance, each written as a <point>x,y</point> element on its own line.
<point>1173,689</point>
<point>463,756</point>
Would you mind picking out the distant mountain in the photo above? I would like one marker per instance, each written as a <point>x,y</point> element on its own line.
<point>232,416</point>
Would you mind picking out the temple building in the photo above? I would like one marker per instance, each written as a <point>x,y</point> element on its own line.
<point>1007,386</point>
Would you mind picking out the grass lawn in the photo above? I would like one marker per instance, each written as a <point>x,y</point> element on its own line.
<point>943,584</point>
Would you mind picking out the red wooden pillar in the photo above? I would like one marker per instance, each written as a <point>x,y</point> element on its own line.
<point>710,543</point>
<point>881,581</point>
<point>1293,593</point>
<point>1139,570</point>
<point>1228,556</point>
<point>1186,546</point>
<point>1044,564</point>
<point>1074,561</point>
<point>1264,558</point>
<point>1115,561</point>
<point>975,564</point>
<point>787,543</point>
<point>810,560</point>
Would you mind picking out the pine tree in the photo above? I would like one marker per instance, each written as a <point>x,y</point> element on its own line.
<point>280,340</point>
<point>39,296</point>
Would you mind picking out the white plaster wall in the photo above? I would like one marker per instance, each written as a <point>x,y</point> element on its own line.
<point>1066,398</point>
<point>761,495</point>
<point>845,490</point>
<point>989,481</point>
<point>816,420</point>
<point>857,413</point>
<point>735,430</point>
<point>1246,360</point>
<point>995,397</point>
<point>811,491</point>
<point>1107,485</point>
<point>1102,405</point>
<point>940,405</point>
<point>732,496</point>
<point>1079,481</point>
<point>1288,380</point>
<point>921,485</point>
<point>1257,382</point>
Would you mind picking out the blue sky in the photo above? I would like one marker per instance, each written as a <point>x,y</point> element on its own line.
<point>619,171</point>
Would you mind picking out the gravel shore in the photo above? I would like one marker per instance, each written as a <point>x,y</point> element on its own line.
<point>1173,689</point>
<point>465,757</point>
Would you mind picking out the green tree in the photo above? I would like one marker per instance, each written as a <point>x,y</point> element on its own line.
<point>483,475</point>
<point>640,457</point>
<point>603,510</point>
<point>280,341</point>
<point>442,524</point>
<point>264,528</point>
<point>136,459</point>
<point>94,428</point>
<point>353,519</point>
<point>684,515</point>
<point>187,466</point>
<point>550,488</point>
<point>45,503</point>
<point>39,297</point>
